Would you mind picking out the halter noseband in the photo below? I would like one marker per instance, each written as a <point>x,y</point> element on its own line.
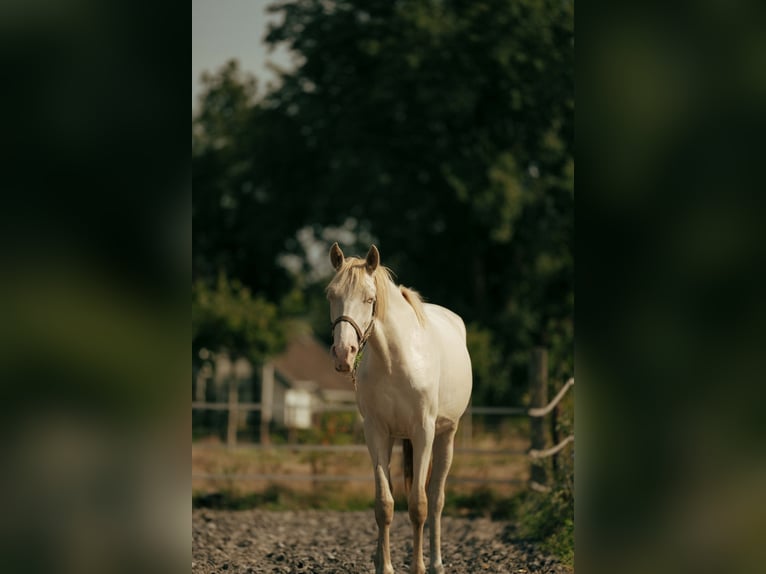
<point>362,336</point>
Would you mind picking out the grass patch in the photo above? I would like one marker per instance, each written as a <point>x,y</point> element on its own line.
<point>547,519</point>
<point>482,502</point>
<point>277,497</point>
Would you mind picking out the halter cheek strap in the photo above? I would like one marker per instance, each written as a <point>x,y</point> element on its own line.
<point>362,336</point>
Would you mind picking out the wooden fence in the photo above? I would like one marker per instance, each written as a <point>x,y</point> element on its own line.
<point>543,440</point>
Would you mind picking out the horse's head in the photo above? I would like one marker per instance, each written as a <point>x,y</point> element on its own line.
<point>353,300</point>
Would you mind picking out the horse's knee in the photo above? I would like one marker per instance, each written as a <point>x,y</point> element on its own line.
<point>384,501</point>
<point>418,507</point>
<point>384,510</point>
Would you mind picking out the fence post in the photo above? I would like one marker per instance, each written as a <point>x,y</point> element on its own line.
<point>231,434</point>
<point>554,424</point>
<point>267,399</point>
<point>538,379</point>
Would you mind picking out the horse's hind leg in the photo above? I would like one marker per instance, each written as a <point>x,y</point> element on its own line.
<point>442,460</point>
<point>380,446</point>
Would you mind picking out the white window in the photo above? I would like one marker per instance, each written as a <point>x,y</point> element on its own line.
<point>298,408</point>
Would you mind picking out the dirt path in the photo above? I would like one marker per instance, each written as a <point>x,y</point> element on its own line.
<point>255,541</point>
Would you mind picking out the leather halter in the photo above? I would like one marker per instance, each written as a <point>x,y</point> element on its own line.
<point>362,336</point>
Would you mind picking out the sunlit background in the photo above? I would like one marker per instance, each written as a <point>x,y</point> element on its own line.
<point>419,153</point>
<point>443,133</point>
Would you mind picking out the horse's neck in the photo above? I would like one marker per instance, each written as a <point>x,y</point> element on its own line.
<point>389,332</point>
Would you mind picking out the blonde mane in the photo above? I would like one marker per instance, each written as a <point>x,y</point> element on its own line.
<point>416,302</point>
<point>350,278</point>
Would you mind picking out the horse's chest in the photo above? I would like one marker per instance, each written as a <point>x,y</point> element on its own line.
<point>395,407</point>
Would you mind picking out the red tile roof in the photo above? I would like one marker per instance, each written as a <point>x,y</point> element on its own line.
<point>306,359</point>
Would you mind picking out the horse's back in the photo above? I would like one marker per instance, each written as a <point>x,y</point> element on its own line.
<point>442,314</point>
<point>455,380</point>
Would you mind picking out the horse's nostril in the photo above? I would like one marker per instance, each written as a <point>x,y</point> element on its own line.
<point>332,350</point>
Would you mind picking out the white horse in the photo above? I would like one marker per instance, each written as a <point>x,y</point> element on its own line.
<point>412,382</point>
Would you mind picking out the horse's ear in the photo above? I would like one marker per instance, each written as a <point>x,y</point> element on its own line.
<point>336,256</point>
<point>373,259</point>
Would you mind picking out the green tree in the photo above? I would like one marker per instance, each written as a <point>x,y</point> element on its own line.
<point>227,316</point>
<point>443,128</point>
<point>241,218</point>
<point>447,129</point>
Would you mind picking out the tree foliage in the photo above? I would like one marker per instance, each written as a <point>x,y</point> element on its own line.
<point>442,128</point>
<point>227,316</point>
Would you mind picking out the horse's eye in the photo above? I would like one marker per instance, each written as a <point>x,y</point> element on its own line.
<point>371,300</point>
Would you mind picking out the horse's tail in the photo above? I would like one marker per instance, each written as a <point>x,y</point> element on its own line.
<point>408,466</point>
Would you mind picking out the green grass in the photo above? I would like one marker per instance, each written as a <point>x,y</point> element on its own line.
<point>547,519</point>
<point>276,497</point>
<point>482,502</point>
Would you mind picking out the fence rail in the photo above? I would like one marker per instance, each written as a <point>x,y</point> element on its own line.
<point>343,448</point>
<point>539,435</point>
<point>200,406</point>
<point>550,406</point>
<point>339,478</point>
<point>534,453</point>
<point>506,411</point>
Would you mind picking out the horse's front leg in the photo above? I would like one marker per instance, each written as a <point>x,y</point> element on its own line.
<point>422,442</point>
<point>442,460</point>
<point>380,444</point>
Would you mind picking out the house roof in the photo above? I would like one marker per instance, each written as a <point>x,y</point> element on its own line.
<point>306,359</point>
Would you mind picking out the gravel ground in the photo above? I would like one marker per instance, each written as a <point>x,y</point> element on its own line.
<point>255,541</point>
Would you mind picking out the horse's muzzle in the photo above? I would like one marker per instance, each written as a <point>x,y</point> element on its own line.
<point>344,358</point>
